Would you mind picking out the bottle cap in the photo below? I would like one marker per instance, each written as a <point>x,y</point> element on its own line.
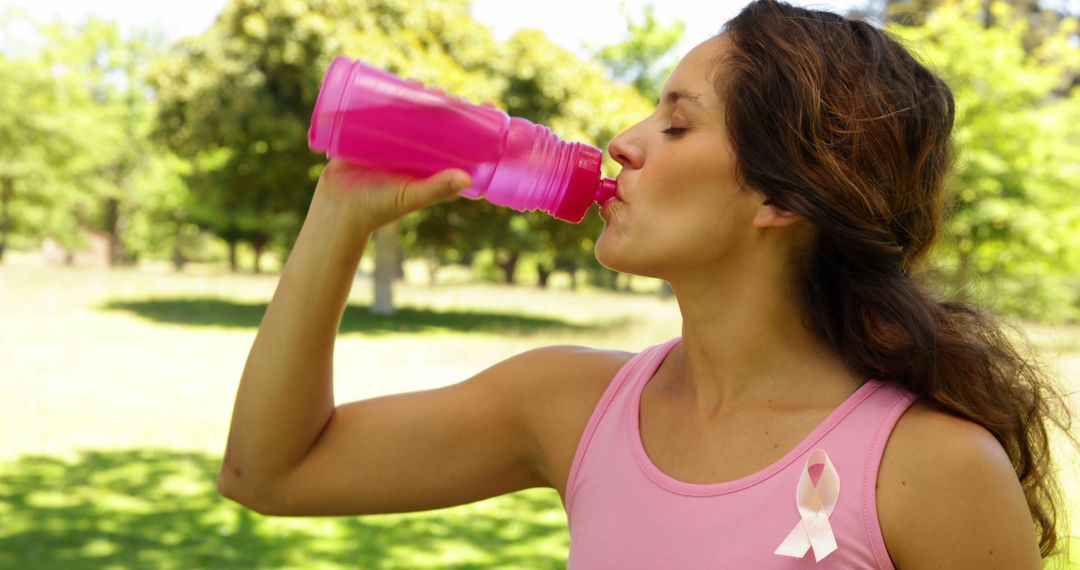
<point>605,190</point>
<point>584,185</point>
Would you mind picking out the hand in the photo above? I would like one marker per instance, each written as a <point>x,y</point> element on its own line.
<point>372,199</point>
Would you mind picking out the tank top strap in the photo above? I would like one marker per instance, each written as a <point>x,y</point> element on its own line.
<point>631,374</point>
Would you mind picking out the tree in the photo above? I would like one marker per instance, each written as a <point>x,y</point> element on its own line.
<point>642,59</point>
<point>1044,18</point>
<point>75,118</point>
<point>1015,226</point>
<point>26,161</point>
<point>237,99</point>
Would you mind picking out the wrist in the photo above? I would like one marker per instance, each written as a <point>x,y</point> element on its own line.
<point>328,214</point>
<point>329,235</point>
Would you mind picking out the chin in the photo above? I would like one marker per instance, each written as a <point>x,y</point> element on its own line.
<point>612,255</point>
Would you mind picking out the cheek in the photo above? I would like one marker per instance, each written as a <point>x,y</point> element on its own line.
<point>701,222</point>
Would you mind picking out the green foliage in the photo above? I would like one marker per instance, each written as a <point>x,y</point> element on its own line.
<point>33,138</point>
<point>237,99</point>
<point>642,58</point>
<point>1015,231</point>
<point>233,105</point>
<point>74,117</point>
<point>231,108</point>
<point>163,226</point>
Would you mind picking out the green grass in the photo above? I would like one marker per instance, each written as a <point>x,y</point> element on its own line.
<point>123,384</point>
<point>151,508</point>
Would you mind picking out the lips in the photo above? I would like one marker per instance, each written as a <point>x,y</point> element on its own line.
<point>618,190</point>
<point>605,208</point>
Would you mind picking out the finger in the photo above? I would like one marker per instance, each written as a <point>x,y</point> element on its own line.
<point>429,88</point>
<point>440,186</point>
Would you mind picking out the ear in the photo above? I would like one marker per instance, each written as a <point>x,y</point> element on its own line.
<point>769,214</point>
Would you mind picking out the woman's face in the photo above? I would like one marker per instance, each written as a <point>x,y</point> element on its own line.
<point>681,210</point>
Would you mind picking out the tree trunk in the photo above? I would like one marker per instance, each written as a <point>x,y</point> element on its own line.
<point>622,283</point>
<point>178,258</point>
<point>258,243</point>
<point>542,274</point>
<point>610,281</point>
<point>114,225</point>
<point>399,258</point>
<point>386,249</point>
<point>509,265</point>
<point>7,192</point>
<point>232,255</point>
<point>571,268</point>
<point>432,268</point>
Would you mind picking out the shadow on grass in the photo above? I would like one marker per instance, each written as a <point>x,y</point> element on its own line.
<point>147,508</point>
<point>214,312</point>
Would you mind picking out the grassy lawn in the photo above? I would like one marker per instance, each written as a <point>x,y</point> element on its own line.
<point>119,386</point>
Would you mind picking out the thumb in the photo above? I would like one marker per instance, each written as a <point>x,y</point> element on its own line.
<point>440,186</point>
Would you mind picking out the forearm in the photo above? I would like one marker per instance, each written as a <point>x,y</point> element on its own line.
<point>286,394</point>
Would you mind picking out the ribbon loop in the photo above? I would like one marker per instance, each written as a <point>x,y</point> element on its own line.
<point>816,504</point>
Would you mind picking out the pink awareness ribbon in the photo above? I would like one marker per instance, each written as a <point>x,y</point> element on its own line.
<point>816,504</point>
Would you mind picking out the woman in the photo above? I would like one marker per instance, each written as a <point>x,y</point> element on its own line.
<point>819,399</point>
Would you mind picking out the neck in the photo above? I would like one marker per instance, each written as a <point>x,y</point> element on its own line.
<point>745,345</point>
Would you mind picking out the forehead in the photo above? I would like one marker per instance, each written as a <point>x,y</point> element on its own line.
<point>695,71</point>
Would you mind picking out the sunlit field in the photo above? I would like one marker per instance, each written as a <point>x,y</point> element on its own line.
<point>118,388</point>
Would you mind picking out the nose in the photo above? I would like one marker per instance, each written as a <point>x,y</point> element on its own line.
<point>625,151</point>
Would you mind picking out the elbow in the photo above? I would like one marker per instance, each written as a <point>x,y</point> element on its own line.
<point>227,478</point>
<point>225,486</point>
<point>244,495</point>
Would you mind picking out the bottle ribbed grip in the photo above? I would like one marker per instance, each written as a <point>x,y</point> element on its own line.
<point>552,172</point>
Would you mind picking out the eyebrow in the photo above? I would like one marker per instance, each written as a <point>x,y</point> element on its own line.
<point>674,96</point>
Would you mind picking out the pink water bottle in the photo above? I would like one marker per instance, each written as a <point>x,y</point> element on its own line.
<point>374,118</point>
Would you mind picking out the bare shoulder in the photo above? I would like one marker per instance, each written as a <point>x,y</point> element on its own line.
<point>560,401</point>
<point>948,496</point>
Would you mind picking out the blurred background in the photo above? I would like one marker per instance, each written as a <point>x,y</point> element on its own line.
<point>154,172</point>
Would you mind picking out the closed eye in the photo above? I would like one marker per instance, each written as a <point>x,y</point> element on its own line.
<point>674,131</point>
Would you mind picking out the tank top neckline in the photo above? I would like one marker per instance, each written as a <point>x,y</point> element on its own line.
<point>662,479</point>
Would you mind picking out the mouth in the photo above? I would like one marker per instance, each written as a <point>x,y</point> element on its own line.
<point>605,208</point>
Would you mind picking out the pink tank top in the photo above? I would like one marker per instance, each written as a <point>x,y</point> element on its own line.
<point>624,512</point>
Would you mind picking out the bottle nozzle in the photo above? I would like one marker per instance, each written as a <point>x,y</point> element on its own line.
<point>605,190</point>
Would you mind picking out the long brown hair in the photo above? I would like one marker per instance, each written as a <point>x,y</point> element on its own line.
<point>833,119</point>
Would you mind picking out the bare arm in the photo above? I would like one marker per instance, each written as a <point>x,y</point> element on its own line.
<point>286,393</point>
<point>285,398</point>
